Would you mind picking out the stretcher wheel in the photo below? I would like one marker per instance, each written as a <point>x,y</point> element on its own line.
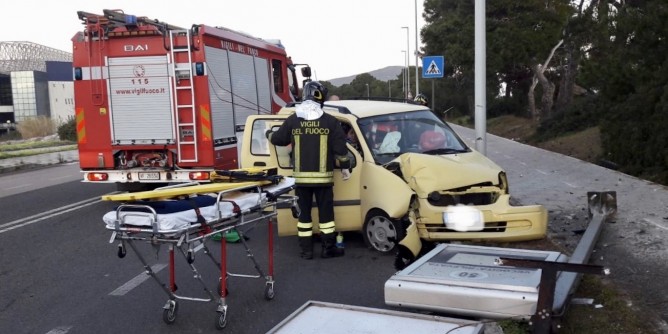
<point>190,257</point>
<point>221,322</point>
<point>169,314</point>
<point>269,292</point>
<point>121,251</point>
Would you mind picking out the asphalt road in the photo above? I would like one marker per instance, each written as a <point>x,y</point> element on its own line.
<point>59,273</point>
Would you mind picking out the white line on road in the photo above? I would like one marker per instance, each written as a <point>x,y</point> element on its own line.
<point>60,330</point>
<point>139,279</point>
<point>20,186</point>
<point>542,172</point>
<point>570,185</point>
<point>16,223</point>
<point>655,224</point>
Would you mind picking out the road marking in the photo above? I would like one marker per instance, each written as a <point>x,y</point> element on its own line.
<point>655,224</point>
<point>60,330</point>
<point>21,186</point>
<point>137,280</point>
<point>48,214</point>
<point>542,172</point>
<point>571,185</point>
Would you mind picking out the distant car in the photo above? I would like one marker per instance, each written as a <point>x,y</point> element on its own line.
<point>413,178</point>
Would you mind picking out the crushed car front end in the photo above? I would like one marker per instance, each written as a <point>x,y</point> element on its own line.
<point>446,184</point>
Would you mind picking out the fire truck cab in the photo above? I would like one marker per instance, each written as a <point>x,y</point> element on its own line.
<point>156,103</point>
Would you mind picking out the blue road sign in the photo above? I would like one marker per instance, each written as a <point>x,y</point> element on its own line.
<point>433,67</point>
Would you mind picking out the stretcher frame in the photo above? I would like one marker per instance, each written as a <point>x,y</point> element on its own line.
<point>196,235</point>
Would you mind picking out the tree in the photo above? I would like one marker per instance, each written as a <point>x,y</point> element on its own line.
<point>627,68</point>
<point>520,34</point>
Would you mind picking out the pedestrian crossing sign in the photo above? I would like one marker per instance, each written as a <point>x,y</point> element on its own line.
<point>432,67</point>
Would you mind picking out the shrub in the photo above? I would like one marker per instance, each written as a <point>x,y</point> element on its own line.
<point>68,130</point>
<point>40,126</point>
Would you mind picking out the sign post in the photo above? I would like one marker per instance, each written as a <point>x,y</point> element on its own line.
<point>432,67</point>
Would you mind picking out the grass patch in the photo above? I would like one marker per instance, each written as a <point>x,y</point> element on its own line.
<point>33,145</point>
<point>617,315</point>
<point>33,127</point>
<point>29,152</point>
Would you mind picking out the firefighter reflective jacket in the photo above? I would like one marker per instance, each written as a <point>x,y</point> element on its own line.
<point>316,145</point>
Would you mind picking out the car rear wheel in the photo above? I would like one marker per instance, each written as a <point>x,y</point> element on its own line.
<point>380,231</point>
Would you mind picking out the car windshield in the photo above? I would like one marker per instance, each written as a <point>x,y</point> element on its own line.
<point>389,136</point>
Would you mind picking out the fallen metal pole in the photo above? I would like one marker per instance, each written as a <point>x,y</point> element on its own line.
<point>602,207</point>
<point>555,292</point>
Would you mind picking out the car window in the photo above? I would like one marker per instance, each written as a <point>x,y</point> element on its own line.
<point>259,142</point>
<point>389,135</point>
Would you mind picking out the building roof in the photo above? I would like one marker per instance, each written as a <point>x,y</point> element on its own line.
<point>28,56</point>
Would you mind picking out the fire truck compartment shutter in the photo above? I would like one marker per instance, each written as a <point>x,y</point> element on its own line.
<point>140,94</point>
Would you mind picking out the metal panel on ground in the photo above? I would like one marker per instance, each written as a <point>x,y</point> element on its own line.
<point>327,318</point>
<point>466,280</point>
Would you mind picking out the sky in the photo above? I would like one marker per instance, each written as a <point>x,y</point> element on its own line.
<point>336,38</point>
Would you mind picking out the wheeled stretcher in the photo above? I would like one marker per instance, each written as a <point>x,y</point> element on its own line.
<point>186,217</point>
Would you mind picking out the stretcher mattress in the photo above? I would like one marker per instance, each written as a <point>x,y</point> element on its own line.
<point>176,215</point>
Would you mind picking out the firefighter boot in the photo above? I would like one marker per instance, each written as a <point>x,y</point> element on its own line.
<point>329,248</point>
<point>306,246</point>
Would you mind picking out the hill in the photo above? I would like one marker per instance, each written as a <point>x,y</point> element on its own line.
<point>521,130</point>
<point>383,74</point>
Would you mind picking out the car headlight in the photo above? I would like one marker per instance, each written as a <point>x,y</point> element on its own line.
<point>463,218</point>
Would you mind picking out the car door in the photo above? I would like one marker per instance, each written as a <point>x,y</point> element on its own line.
<point>259,152</point>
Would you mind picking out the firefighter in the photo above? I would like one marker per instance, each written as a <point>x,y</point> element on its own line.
<point>421,99</point>
<point>319,144</point>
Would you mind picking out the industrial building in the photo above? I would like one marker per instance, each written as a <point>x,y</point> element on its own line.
<point>35,80</point>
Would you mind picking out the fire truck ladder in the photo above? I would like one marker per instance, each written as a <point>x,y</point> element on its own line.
<point>184,98</point>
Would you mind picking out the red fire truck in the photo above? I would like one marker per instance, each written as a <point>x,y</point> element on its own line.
<point>156,103</point>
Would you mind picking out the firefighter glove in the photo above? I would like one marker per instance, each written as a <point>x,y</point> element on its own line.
<point>345,174</point>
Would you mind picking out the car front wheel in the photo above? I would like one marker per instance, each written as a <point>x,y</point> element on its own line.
<point>380,231</point>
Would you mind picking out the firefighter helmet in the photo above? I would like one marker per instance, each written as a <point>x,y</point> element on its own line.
<point>421,99</point>
<point>315,91</point>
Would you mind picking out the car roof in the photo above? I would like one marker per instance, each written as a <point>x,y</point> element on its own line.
<point>361,108</point>
<point>366,108</point>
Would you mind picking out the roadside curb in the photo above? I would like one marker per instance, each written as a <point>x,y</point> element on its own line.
<point>10,165</point>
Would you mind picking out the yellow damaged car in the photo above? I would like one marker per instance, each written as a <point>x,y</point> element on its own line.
<point>412,179</point>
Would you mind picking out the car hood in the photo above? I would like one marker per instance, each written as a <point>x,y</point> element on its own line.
<point>426,173</point>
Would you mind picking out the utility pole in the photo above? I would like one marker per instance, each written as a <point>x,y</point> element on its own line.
<point>408,68</point>
<point>417,83</point>
<point>480,77</point>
